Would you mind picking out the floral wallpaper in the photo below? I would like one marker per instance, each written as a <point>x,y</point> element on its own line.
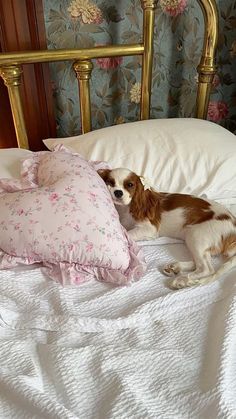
<point>115,83</point>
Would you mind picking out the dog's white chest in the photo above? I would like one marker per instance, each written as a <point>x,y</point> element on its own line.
<point>126,218</point>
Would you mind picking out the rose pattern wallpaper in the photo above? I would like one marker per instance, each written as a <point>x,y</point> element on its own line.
<point>115,82</point>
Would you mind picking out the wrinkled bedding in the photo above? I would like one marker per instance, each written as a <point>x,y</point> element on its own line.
<point>101,351</point>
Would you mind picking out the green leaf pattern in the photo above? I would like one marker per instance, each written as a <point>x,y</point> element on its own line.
<point>115,82</point>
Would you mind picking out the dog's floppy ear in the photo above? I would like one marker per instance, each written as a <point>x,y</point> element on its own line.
<point>104,173</point>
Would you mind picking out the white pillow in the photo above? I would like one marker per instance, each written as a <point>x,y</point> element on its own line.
<point>10,161</point>
<point>177,155</point>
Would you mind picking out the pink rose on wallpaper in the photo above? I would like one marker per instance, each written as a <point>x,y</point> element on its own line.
<point>85,10</point>
<point>217,111</point>
<point>109,62</point>
<point>173,7</point>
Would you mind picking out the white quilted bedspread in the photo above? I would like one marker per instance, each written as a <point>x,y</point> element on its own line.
<point>97,351</point>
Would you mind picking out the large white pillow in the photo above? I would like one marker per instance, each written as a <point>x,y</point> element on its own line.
<point>176,155</point>
<point>11,160</point>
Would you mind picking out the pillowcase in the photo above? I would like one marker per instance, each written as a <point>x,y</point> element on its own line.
<point>61,214</point>
<point>11,160</point>
<point>177,155</point>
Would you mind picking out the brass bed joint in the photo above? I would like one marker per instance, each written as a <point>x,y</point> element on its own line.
<point>149,7</point>
<point>149,4</point>
<point>10,69</point>
<point>207,68</point>
<point>83,70</point>
<point>12,79</point>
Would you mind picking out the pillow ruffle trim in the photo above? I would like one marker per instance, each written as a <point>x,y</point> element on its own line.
<point>75,273</point>
<point>29,175</point>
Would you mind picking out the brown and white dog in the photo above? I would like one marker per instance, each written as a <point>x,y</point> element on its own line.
<point>207,227</point>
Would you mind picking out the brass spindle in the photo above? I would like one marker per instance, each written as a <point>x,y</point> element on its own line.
<point>207,68</point>
<point>83,70</point>
<point>149,7</point>
<point>10,69</point>
<point>12,79</point>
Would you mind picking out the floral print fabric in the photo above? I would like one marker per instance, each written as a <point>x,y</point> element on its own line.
<point>115,82</point>
<point>60,214</point>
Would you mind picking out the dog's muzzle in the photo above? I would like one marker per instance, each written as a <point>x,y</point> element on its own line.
<point>118,193</point>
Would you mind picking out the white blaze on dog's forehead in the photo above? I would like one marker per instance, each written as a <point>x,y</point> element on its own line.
<point>120,175</point>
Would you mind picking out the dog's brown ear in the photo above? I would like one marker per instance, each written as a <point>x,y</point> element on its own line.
<point>104,173</point>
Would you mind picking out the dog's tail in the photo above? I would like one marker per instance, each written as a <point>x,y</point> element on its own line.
<point>225,267</point>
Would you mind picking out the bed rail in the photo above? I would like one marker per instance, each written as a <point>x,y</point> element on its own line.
<point>11,70</point>
<point>207,67</point>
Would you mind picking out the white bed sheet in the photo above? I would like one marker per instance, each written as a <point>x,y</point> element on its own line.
<point>96,351</point>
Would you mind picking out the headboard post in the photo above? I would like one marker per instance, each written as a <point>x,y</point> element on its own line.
<point>83,70</point>
<point>149,7</point>
<point>12,78</point>
<point>207,68</point>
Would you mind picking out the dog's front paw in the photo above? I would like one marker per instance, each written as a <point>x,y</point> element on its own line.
<point>181,282</point>
<point>171,269</point>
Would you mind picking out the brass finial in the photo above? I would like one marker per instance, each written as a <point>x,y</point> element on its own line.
<point>11,75</point>
<point>83,69</point>
<point>149,4</point>
<point>12,78</point>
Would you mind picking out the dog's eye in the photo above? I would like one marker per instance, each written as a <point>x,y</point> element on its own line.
<point>130,185</point>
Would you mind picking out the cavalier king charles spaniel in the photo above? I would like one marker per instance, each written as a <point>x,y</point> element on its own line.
<point>206,227</point>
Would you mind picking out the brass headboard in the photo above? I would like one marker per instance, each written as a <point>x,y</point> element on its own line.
<point>10,67</point>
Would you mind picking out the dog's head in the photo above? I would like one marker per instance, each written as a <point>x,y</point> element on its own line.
<point>122,184</point>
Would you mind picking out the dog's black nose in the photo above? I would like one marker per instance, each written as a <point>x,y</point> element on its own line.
<point>118,193</point>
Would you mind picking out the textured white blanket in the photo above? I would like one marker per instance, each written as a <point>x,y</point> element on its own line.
<point>96,351</point>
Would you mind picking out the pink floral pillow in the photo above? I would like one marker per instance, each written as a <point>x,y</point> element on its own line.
<point>60,214</point>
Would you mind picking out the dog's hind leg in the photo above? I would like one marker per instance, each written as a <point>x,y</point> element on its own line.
<point>230,263</point>
<point>203,269</point>
<point>202,258</point>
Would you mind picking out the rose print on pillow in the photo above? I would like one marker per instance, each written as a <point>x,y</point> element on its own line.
<point>60,214</point>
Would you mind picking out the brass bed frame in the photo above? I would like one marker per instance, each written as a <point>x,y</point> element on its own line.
<point>10,68</point>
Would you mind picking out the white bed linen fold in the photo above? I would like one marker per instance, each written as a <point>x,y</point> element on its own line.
<point>97,351</point>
